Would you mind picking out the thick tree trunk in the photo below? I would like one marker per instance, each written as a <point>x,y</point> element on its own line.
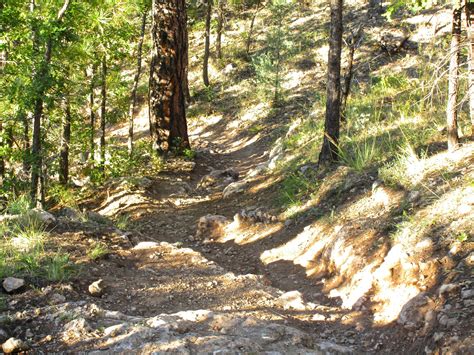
<point>329,150</point>
<point>131,115</point>
<point>207,40</point>
<point>168,75</point>
<point>91,111</point>
<point>220,27</point>
<point>65,141</point>
<point>453,87</point>
<point>103,112</point>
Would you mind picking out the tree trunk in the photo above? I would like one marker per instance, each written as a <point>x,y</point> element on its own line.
<point>329,150</point>
<point>103,108</point>
<point>26,142</point>
<point>65,141</point>
<point>207,36</point>
<point>352,43</point>
<point>168,70</point>
<point>136,79</point>
<point>252,24</point>
<point>220,27</point>
<point>91,111</point>
<point>470,34</point>
<point>2,153</point>
<point>453,87</point>
<point>42,85</point>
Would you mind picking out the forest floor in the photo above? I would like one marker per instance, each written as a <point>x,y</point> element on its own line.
<point>203,259</point>
<point>166,287</point>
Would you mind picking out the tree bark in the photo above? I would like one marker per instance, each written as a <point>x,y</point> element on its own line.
<point>26,142</point>
<point>168,70</point>
<point>453,86</point>
<point>252,24</point>
<point>352,43</point>
<point>470,34</point>
<point>91,111</point>
<point>329,150</point>
<point>136,79</point>
<point>103,112</point>
<point>65,141</point>
<point>2,154</point>
<point>41,80</point>
<point>220,27</point>
<point>207,40</point>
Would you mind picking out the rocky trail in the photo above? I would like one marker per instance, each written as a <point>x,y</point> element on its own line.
<point>187,275</point>
<point>170,284</point>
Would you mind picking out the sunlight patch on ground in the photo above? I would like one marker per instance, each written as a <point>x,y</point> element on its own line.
<point>293,79</point>
<point>242,234</point>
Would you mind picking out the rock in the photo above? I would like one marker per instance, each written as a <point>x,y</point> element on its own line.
<point>76,329</point>
<point>211,226</point>
<point>447,321</point>
<point>114,330</point>
<point>412,315</point>
<point>146,245</point>
<point>71,214</point>
<point>292,300</point>
<point>467,293</point>
<point>11,284</point>
<point>219,177</point>
<point>229,68</point>
<point>96,288</point>
<point>447,288</point>
<point>331,348</point>
<point>44,216</point>
<point>57,298</point>
<point>3,336</point>
<point>14,345</point>
<point>143,183</point>
<point>29,334</point>
<point>81,182</point>
<point>234,188</point>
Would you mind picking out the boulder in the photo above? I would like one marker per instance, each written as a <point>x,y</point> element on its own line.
<point>44,216</point>
<point>146,245</point>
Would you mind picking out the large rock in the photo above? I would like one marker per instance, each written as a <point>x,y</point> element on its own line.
<point>14,345</point>
<point>11,284</point>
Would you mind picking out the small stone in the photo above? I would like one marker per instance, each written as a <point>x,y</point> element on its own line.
<point>96,288</point>
<point>57,298</point>
<point>29,334</point>
<point>11,284</point>
<point>146,245</point>
<point>447,288</point>
<point>14,345</point>
<point>318,317</point>
<point>438,336</point>
<point>467,293</point>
